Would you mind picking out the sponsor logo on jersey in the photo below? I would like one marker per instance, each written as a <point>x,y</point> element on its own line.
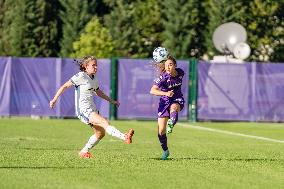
<point>157,80</point>
<point>174,85</point>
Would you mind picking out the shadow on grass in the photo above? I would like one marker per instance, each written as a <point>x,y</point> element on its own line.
<point>222,159</point>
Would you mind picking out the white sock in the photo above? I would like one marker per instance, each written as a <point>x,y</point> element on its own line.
<point>91,143</point>
<point>114,132</point>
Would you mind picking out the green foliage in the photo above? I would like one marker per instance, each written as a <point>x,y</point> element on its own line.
<point>30,29</point>
<point>94,40</point>
<point>180,21</point>
<point>266,30</point>
<point>14,27</point>
<point>49,28</point>
<point>262,19</point>
<point>220,12</point>
<point>134,26</point>
<point>148,27</point>
<point>3,8</point>
<point>74,15</point>
<point>42,24</point>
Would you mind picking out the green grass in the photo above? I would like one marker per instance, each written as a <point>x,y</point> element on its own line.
<point>43,154</point>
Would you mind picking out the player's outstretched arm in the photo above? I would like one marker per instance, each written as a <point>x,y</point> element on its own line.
<point>59,92</point>
<point>156,91</point>
<point>101,94</point>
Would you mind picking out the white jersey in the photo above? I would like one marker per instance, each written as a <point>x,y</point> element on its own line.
<point>84,95</point>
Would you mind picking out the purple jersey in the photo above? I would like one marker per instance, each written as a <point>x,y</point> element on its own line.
<point>167,83</point>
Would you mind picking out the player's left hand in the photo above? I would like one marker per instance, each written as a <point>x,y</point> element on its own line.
<point>170,93</point>
<point>116,103</point>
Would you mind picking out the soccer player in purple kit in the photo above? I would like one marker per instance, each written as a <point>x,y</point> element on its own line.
<point>168,86</point>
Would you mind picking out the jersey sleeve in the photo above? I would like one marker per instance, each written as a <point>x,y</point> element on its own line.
<point>76,79</point>
<point>181,72</point>
<point>159,81</point>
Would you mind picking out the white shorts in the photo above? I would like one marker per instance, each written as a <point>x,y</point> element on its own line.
<point>84,114</point>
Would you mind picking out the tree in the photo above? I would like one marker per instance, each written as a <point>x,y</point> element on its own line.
<point>134,26</point>
<point>42,33</point>
<point>74,15</point>
<point>14,27</point>
<point>266,30</point>
<point>30,28</point>
<point>148,27</point>
<point>94,40</point>
<point>3,9</point>
<point>220,12</point>
<point>180,20</point>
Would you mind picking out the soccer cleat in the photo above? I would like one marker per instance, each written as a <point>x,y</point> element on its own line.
<point>128,136</point>
<point>170,126</point>
<point>165,154</point>
<point>85,155</point>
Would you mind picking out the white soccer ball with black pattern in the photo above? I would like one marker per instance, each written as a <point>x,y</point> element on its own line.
<point>160,54</point>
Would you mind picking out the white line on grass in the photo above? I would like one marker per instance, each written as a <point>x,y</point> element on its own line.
<point>230,133</point>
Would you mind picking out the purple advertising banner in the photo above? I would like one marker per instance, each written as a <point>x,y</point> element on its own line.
<point>28,84</point>
<point>5,85</point>
<point>240,92</point>
<point>226,91</point>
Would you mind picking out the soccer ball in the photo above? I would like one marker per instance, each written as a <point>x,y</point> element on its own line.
<point>160,54</point>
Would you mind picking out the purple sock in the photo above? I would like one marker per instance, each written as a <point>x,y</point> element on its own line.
<point>163,141</point>
<point>174,117</point>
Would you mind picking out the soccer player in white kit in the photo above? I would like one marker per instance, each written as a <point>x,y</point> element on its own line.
<point>86,86</point>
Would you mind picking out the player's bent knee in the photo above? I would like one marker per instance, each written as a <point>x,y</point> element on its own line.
<point>175,109</point>
<point>100,135</point>
<point>161,132</point>
<point>103,124</point>
<point>99,132</point>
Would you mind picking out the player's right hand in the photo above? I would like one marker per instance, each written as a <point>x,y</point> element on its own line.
<point>170,93</point>
<point>52,103</point>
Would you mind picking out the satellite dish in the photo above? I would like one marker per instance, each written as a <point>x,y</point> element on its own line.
<point>241,50</point>
<point>227,35</point>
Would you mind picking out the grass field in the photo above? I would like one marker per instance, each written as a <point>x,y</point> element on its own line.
<point>43,154</point>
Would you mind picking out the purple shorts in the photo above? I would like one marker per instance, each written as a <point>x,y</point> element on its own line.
<point>164,106</point>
